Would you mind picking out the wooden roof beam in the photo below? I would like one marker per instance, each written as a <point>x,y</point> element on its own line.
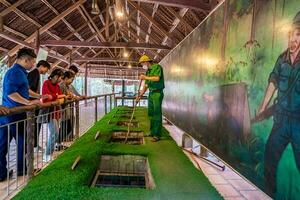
<point>155,8</point>
<point>70,27</point>
<point>49,24</point>
<point>174,27</point>
<point>130,45</point>
<point>136,36</point>
<point>171,10</point>
<point>94,26</point>
<point>28,45</point>
<point>151,19</point>
<point>89,50</point>
<point>11,7</point>
<point>192,4</point>
<point>95,59</point>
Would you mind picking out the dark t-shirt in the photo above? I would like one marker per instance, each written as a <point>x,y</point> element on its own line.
<point>34,80</point>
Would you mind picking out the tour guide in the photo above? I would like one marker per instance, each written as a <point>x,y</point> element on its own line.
<point>154,80</point>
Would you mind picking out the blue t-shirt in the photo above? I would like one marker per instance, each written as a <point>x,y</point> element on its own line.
<point>15,80</point>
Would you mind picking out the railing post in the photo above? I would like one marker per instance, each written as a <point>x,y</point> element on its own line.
<point>30,143</point>
<point>96,109</point>
<point>77,119</point>
<point>110,102</point>
<point>115,101</point>
<point>105,104</point>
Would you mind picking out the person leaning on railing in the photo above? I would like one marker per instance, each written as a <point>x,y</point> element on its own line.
<point>73,69</point>
<point>34,88</point>
<point>51,116</point>
<point>15,93</point>
<point>66,122</point>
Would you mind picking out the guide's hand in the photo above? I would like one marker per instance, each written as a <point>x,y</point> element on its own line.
<point>142,77</point>
<point>137,99</point>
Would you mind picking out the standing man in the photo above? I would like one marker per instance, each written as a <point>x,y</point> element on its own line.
<point>286,128</point>
<point>15,93</point>
<point>75,71</point>
<point>154,80</point>
<point>34,91</point>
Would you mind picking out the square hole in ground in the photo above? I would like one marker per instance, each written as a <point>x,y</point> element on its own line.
<point>123,116</point>
<point>123,171</point>
<point>125,112</point>
<point>132,137</point>
<point>132,124</point>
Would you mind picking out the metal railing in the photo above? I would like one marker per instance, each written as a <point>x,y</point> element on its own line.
<point>41,133</point>
<point>129,101</point>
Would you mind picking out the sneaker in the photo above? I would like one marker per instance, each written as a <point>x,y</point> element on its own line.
<point>46,158</point>
<point>10,174</point>
<point>155,139</point>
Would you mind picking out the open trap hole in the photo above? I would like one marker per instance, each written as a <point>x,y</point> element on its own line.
<point>132,137</point>
<point>125,112</point>
<point>126,123</point>
<point>123,116</point>
<point>131,171</point>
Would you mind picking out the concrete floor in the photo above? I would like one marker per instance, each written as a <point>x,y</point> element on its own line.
<point>228,183</point>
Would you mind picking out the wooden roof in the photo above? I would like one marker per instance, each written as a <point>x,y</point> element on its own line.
<point>71,34</point>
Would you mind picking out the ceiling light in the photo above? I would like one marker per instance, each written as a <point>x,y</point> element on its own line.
<point>119,9</point>
<point>95,8</point>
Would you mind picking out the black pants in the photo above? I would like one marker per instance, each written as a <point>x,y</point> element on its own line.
<point>66,131</point>
<point>18,132</point>
<point>286,130</point>
<point>37,129</point>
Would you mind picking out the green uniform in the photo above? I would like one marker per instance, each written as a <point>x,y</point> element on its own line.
<point>155,98</point>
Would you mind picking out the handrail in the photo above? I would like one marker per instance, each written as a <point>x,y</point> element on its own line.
<point>20,109</point>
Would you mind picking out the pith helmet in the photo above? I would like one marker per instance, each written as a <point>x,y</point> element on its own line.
<point>296,20</point>
<point>144,58</point>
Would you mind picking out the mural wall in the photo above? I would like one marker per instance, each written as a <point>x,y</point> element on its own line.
<point>217,79</point>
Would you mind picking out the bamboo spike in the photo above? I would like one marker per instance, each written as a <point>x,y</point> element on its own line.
<point>97,135</point>
<point>75,163</point>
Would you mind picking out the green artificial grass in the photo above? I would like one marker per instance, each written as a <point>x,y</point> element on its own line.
<point>174,175</point>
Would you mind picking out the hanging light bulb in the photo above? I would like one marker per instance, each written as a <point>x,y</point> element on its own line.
<point>129,66</point>
<point>125,54</point>
<point>119,9</point>
<point>95,8</point>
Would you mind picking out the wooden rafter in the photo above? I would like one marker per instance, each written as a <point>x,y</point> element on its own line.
<point>11,7</point>
<point>174,26</point>
<point>155,7</point>
<point>129,45</point>
<point>49,24</point>
<point>137,37</point>
<point>171,10</point>
<point>28,45</point>
<point>103,60</point>
<point>193,4</point>
<point>150,18</point>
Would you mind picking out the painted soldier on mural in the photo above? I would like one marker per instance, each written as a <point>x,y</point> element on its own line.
<point>285,79</point>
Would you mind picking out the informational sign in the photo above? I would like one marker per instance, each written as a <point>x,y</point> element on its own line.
<point>42,55</point>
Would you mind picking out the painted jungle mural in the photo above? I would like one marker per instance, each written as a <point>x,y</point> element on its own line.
<point>234,84</point>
